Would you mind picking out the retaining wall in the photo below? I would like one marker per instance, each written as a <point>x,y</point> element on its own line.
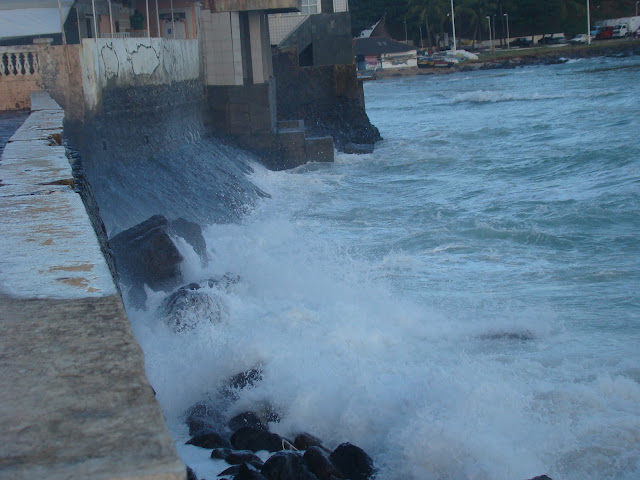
<point>74,399</point>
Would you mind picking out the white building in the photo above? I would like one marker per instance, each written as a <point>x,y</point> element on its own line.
<point>282,24</point>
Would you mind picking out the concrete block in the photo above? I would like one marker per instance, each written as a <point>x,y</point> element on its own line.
<point>319,149</point>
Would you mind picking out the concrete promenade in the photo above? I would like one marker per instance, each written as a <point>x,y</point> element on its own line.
<point>74,399</point>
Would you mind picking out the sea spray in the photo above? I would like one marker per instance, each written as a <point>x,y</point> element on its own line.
<point>462,302</point>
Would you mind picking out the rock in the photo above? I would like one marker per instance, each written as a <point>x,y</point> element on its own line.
<point>240,381</point>
<point>523,336</point>
<point>287,465</point>
<point>246,379</point>
<point>185,308</point>
<point>255,439</point>
<point>203,418</point>
<point>191,475</point>
<point>232,470</point>
<point>221,453</point>
<point>306,440</point>
<point>146,254</point>
<point>243,456</point>
<point>245,419</point>
<point>245,472</point>
<point>540,477</point>
<point>320,464</point>
<point>352,461</point>
<point>209,440</point>
<point>359,148</point>
<point>192,234</point>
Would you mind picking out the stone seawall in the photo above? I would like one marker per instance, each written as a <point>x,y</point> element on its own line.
<point>329,98</point>
<point>74,399</point>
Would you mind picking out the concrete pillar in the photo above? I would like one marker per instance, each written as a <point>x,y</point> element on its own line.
<point>257,47</point>
<point>222,48</point>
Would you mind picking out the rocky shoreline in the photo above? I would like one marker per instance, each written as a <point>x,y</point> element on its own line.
<point>525,57</point>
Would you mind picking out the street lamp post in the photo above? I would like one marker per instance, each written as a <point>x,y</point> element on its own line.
<point>588,24</point>
<point>490,41</point>
<point>637,7</point>
<point>453,26</point>
<point>494,30</point>
<point>508,46</point>
<point>406,37</point>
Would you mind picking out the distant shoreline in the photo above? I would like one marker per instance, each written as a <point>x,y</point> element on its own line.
<point>505,59</point>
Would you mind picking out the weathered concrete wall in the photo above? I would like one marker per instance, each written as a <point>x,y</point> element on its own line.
<point>131,62</point>
<point>327,36</point>
<point>74,400</point>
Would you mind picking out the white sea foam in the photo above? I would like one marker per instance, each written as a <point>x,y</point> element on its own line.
<point>488,96</point>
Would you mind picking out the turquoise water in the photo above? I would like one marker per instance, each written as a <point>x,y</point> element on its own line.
<point>462,303</point>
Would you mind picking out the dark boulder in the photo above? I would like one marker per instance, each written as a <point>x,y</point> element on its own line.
<point>185,308</point>
<point>191,475</point>
<point>221,453</point>
<point>320,464</point>
<point>352,461</point>
<point>209,440</point>
<point>245,419</point>
<point>306,440</point>
<point>203,418</point>
<point>255,439</point>
<point>232,470</point>
<point>540,477</point>
<point>246,379</point>
<point>146,254</point>
<point>287,465</point>
<point>192,234</point>
<point>239,381</point>
<point>243,456</point>
<point>245,472</point>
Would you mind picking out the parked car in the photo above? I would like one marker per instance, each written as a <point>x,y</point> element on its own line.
<point>553,39</point>
<point>620,30</point>
<point>521,42</point>
<point>595,31</point>
<point>605,33</point>
<point>580,38</point>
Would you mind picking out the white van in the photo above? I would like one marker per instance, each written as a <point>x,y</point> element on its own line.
<point>621,30</point>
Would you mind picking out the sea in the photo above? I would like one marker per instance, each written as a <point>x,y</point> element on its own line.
<point>462,303</point>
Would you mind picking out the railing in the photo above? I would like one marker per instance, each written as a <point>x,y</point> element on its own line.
<point>115,35</point>
<point>18,62</point>
<point>138,33</point>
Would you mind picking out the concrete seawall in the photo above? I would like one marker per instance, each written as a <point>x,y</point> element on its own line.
<point>74,399</point>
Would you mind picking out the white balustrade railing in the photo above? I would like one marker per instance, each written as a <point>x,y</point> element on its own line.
<point>115,35</point>
<point>18,61</point>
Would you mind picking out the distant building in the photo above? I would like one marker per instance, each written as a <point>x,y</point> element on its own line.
<point>380,53</point>
<point>282,24</point>
<point>23,21</point>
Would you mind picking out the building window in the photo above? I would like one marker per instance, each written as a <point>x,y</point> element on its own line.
<point>309,6</point>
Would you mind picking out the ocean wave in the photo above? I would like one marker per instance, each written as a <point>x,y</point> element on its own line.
<point>486,96</point>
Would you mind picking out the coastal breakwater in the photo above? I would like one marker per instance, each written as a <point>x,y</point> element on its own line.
<point>73,392</point>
